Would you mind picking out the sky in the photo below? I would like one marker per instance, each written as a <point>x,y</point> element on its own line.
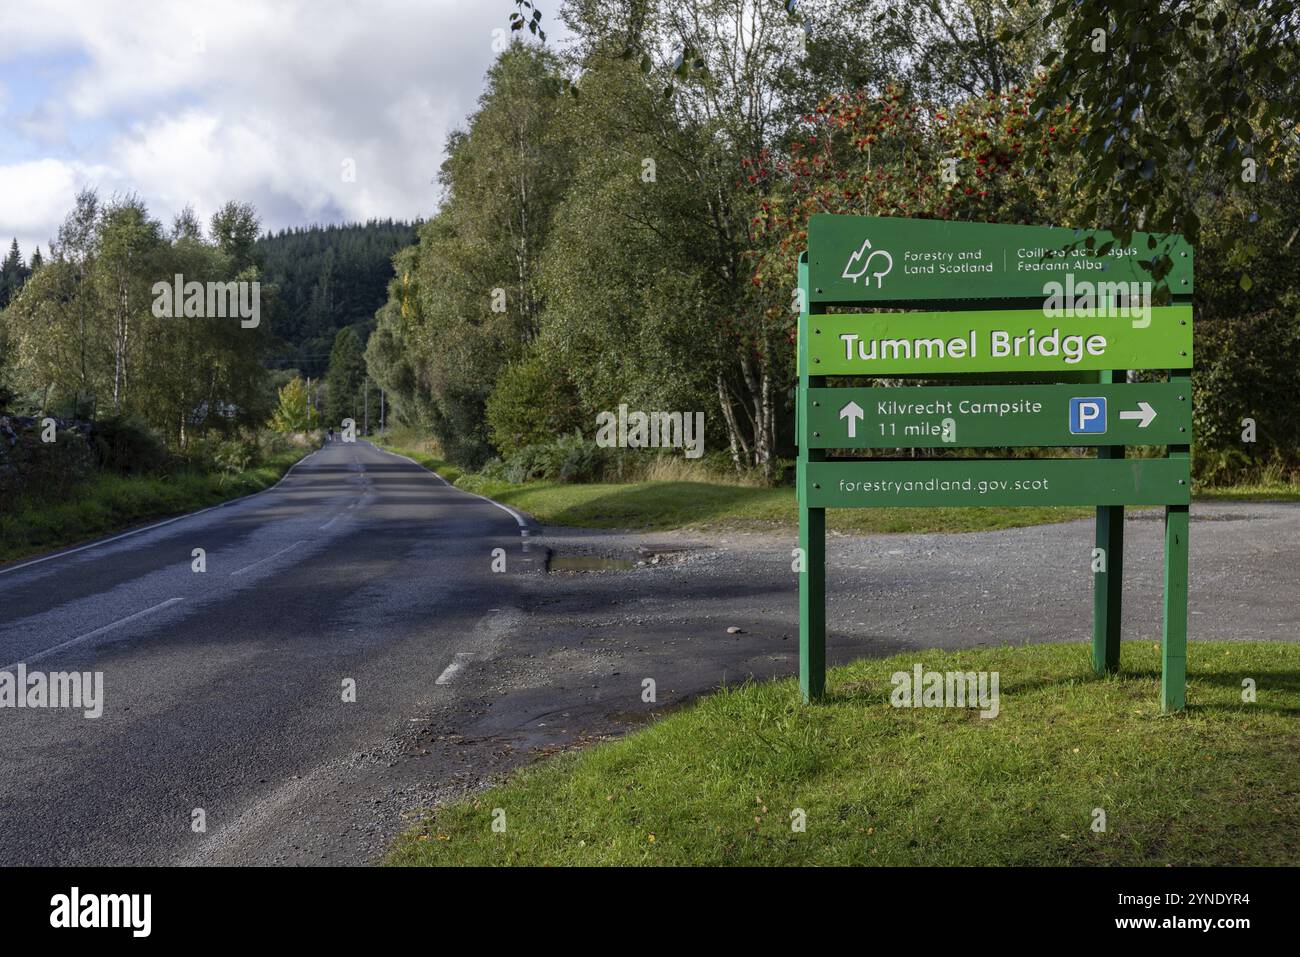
<point>273,102</point>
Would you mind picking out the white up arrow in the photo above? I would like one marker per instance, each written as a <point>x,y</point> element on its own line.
<point>853,412</point>
<point>1144,414</point>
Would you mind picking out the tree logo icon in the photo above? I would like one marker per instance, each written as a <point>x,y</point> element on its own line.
<point>878,264</point>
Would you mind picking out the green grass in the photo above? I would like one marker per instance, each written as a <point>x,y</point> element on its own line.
<point>110,503</point>
<point>664,505</point>
<point>1269,492</point>
<point>656,506</point>
<point>716,783</point>
<point>659,506</point>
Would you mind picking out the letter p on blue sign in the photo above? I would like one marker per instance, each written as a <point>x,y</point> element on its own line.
<point>1088,416</point>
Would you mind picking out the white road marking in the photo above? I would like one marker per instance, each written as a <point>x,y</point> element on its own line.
<point>267,558</point>
<point>331,522</point>
<point>91,634</point>
<point>462,658</point>
<point>137,531</point>
<point>522,522</point>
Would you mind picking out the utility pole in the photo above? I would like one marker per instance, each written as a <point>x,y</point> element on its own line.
<point>381,410</point>
<point>308,403</point>
<point>365,392</point>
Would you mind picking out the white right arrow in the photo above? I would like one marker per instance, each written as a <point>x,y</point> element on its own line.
<point>853,412</point>
<point>1144,414</point>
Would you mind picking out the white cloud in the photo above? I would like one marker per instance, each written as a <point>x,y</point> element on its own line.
<point>200,102</point>
<point>35,197</point>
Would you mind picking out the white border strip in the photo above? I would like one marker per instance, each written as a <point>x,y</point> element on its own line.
<point>91,634</point>
<point>268,557</point>
<point>458,664</point>
<point>137,531</point>
<point>523,522</point>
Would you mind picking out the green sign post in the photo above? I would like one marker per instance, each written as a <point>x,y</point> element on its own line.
<point>1072,311</point>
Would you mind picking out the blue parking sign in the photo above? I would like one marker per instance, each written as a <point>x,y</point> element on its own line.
<point>1088,416</point>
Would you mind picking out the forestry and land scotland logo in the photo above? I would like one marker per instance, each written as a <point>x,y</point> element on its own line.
<point>868,263</point>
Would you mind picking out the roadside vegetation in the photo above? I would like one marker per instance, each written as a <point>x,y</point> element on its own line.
<point>115,411</point>
<point>104,477</point>
<point>717,782</point>
<point>670,493</point>
<point>1271,482</point>
<point>658,273</point>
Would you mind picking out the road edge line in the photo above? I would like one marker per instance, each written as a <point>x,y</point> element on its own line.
<point>31,659</point>
<point>524,529</point>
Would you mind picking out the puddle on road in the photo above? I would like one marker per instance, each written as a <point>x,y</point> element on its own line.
<point>588,563</point>
<point>645,555</point>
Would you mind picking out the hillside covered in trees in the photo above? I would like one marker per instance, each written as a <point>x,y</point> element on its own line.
<point>84,335</point>
<point>80,337</point>
<point>327,278</point>
<point>15,270</point>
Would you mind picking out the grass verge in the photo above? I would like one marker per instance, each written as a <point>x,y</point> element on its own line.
<point>717,782</point>
<point>1273,492</point>
<point>663,505</point>
<point>111,503</point>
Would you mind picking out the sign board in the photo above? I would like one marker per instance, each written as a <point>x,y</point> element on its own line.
<point>924,417</point>
<point>1023,340</point>
<point>1092,318</point>
<point>855,259</point>
<point>1000,482</point>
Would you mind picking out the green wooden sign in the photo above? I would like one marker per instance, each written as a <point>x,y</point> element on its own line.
<point>1020,340</point>
<point>1146,413</point>
<point>857,259</point>
<point>990,482</point>
<point>1091,319</point>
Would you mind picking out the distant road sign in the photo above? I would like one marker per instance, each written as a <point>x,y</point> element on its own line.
<point>1139,413</point>
<point>856,259</point>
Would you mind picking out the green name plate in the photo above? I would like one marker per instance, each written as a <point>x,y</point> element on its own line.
<point>997,482</point>
<point>1147,413</point>
<point>1021,340</point>
<point>857,259</point>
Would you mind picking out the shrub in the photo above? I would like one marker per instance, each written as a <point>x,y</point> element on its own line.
<point>235,454</point>
<point>239,451</point>
<point>571,458</point>
<point>126,446</point>
<point>567,458</point>
<point>46,470</point>
<point>270,444</point>
<point>533,400</point>
<point>1247,367</point>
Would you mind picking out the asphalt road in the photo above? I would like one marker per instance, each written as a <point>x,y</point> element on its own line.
<point>223,689</point>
